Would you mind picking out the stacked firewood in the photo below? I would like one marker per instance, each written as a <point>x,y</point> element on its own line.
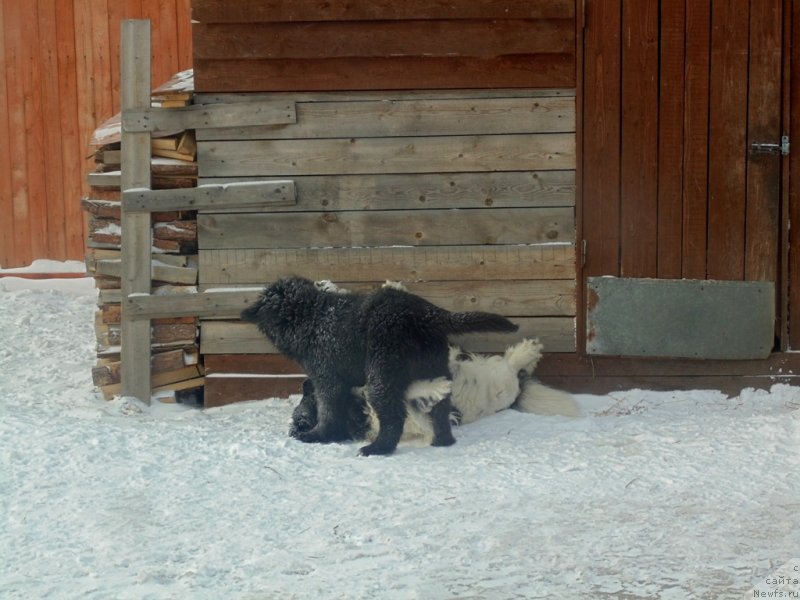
<point>177,374</point>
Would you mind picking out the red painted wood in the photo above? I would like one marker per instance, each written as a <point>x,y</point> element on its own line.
<point>764,125</point>
<point>671,139</point>
<point>695,154</point>
<point>728,137</point>
<point>242,11</point>
<point>639,153</point>
<point>601,137</point>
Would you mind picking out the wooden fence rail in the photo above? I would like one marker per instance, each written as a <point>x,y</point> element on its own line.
<point>60,79</point>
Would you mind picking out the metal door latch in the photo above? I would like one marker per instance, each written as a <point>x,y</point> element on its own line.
<point>764,148</point>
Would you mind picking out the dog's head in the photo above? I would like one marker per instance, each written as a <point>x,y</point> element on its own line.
<point>279,302</point>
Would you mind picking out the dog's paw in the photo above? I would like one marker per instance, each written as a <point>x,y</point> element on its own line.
<point>308,436</point>
<point>375,449</point>
<point>424,394</point>
<point>455,417</point>
<point>443,439</point>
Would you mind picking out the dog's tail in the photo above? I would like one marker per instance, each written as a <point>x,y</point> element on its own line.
<point>469,322</point>
<point>540,399</point>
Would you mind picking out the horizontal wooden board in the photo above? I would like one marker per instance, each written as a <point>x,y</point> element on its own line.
<point>386,228</point>
<point>570,372</point>
<point>251,195</point>
<point>390,73</point>
<point>395,117</point>
<point>221,391</point>
<point>380,95</point>
<point>250,364</point>
<point>208,116</point>
<point>438,154</point>
<point>234,337</point>
<point>556,261</point>
<point>529,298</point>
<point>246,11</point>
<point>341,39</point>
<point>431,190</point>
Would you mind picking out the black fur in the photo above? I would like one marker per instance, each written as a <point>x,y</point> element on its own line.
<point>383,340</point>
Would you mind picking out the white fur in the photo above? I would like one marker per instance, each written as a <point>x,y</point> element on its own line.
<point>542,400</point>
<point>326,285</point>
<point>483,385</point>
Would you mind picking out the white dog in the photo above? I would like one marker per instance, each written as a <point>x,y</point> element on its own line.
<point>481,385</point>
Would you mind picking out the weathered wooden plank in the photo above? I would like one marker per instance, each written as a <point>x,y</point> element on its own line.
<point>430,263</point>
<point>695,155</point>
<point>762,232</point>
<point>234,337</point>
<point>286,158</point>
<point>160,271</point>
<point>380,95</point>
<point>639,150</point>
<point>394,117</point>
<point>435,190</point>
<point>342,39</point>
<point>221,391</point>
<point>670,139</point>
<point>208,116</point>
<point>727,177</point>
<point>213,11</point>
<point>135,264</point>
<point>387,73</point>
<point>530,298</point>
<point>601,159</point>
<point>250,195</point>
<point>252,364</point>
<point>386,228</point>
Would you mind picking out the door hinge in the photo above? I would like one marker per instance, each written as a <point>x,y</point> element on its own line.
<point>766,148</point>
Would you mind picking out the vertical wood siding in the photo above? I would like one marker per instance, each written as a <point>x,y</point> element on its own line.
<point>59,81</point>
<point>674,93</point>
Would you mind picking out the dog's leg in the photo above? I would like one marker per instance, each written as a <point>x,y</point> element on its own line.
<point>440,417</point>
<point>333,399</point>
<point>304,416</point>
<point>385,395</point>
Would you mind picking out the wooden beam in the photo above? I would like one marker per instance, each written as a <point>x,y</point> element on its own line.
<point>212,11</point>
<point>135,341</point>
<point>489,226</point>
<point>426,154</point>
<point>255,195</point>
<point>208,116</point>
<point>532,298</point>
<point>235,337</point>
<point>431,263</point>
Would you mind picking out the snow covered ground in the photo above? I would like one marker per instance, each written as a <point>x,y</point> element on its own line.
<point>649,495</point>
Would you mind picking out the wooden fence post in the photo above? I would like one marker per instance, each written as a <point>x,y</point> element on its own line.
<point>136,229</point>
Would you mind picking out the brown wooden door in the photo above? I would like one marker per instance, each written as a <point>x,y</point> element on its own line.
<point>674,95</point>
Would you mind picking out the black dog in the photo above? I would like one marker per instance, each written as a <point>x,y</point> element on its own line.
<point>384,340</point>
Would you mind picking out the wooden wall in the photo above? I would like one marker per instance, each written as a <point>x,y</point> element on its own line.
<point>674,93</point>
<point>59,81</point>
<point>466,196</point>
<point>277,45</point>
